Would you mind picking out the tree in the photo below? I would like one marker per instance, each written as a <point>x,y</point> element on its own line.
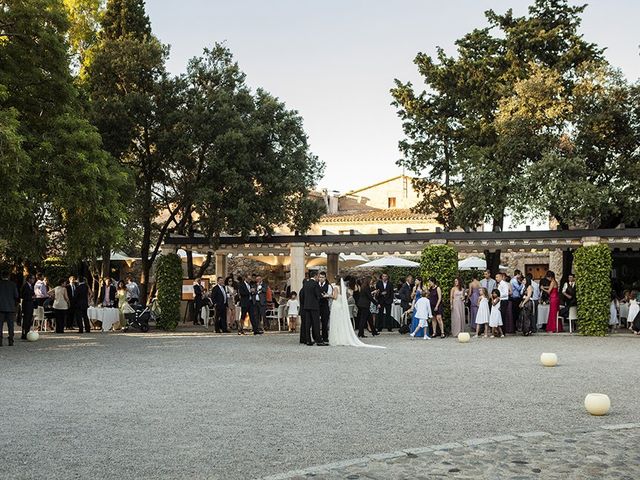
<point>84,24</point>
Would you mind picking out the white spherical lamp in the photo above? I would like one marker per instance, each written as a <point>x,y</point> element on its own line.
<point>33,336</point>
<point>464,337</point>
<point>549,359</point>
<point>597,404</point>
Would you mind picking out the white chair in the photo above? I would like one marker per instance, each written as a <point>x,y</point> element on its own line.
<point>272,314</point>
<point>38,319</point>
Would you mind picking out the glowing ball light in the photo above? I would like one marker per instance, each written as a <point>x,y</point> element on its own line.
<point>33,336</point>
<point>463,337</point>
<point>597,404</point>
<point>549,359</point>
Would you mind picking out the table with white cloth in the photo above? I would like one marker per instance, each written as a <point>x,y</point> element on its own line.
<point>396,313</point>
<point>543,314</point>
<point>108,316</point>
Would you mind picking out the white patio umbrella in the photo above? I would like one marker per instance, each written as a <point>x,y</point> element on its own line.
<point>349,260</point>
<point>389,262</point>
<point>475,263</point>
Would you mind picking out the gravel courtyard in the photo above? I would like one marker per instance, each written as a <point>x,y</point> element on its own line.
<point>209,406</point>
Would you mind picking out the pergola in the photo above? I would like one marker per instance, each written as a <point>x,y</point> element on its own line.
<point>409,243</point>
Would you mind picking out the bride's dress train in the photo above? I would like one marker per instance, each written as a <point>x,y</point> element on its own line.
<point>340,330</point>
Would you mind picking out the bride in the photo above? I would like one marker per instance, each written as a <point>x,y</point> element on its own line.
<point>341,331</point>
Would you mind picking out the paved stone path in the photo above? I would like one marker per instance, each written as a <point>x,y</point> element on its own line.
<point>610,452</point>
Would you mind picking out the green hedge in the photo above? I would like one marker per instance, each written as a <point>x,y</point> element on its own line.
<point>169,284</point>
<point>592,266</point>
<point>441,262</point>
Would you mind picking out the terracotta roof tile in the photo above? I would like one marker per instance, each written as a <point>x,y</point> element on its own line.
<point>382,215</point>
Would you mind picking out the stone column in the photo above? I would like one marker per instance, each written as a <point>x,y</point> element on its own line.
<point>221,265</point>
<point>166,249</point>
<point>297,265</point>
<point>332,266</point>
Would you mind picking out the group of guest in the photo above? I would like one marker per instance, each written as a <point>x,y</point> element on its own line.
<point>625,311</point>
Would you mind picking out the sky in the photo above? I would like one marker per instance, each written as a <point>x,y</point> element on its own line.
<point>334,61</point>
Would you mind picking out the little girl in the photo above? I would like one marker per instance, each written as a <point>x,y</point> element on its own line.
<point>613,312</point>
<point>482,318</point>
<point>423,314</point>
<point>293,307</point>
<point>495,320</point>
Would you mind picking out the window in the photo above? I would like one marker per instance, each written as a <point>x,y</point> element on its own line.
<point>391,202</point>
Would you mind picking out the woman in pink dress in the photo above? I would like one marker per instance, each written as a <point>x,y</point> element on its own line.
<point>554,304</point>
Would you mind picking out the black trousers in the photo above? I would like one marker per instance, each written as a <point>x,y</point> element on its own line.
<point>7,317</point>
<point>27,320</point>
<point>61,316</point>
<point>313,324</point>
<point>515,311</point>
<point>384,319</point>
<point>304,326</point>
<point>504,305</point>
<point>69,319</point>
<point>221,318</point>
<point>82,319</point>
<point>363,316</point>
<point>254,316</point>
<point>246,308</point>
<point>324,322</point>
<point>197,310</point>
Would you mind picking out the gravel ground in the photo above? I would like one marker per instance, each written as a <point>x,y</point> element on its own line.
<point>230,407</point>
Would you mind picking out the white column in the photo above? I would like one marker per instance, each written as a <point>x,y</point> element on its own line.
<point>297,265</point>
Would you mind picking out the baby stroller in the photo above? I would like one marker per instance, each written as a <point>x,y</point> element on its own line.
<point>139,316</point>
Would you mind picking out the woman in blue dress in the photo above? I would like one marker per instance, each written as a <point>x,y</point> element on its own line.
<point>415,295</point>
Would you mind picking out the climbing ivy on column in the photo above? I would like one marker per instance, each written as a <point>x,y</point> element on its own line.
<point>169,283</point>
<point>441,262</point>
<point>592,266</point>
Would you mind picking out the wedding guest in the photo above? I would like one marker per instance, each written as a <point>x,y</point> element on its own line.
<point>60,304</point>
<point>246,305</point>
<point>474,296</point>
<point>516,299</point>
<point>28,297</point>
<point>121,297</point>
<point>422,309</point>
<point>311,307</point>
<point>374,308</point>
<point>526,307</point>
<point>553,325</point>
<point>435,297</point>
<point>535,299</point>
<point>133,291</point>
<point>488,283</point>
<point>107,293</point>
<point>220,302</point>
<point>495,319</point>
<point>456,299</point>
<point>81,304</point>
<point>293,309</point>
<point>198,294</point>
<point>504,288</point>
<point>405,293</point>
<point>9,299</point>
<point>231,304</point>
<point>483,316</point>
<point>260,301</point>
<point>569,295</point>
<point>364,300</point>
<point>71,289</point>
<point>385,301</point>
<point>614,321</point>
<point>416,295</point>
<point>634,309</point>
<point>41,290</point>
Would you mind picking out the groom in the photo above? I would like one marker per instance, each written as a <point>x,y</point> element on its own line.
<point>311,296</point>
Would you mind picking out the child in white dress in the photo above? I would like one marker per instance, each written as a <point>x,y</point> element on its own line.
<point>634,309</point>
<point>293,308</point>
<point>613,313</point>
<point>482,318</point>
<point>495,320</point>
<point>423,314</point>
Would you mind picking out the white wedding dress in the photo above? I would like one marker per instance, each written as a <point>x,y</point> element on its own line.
<point>340,329</point>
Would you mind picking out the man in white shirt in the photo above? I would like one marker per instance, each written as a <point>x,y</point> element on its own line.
<point>133,292</point>
<point>40,290</point>
<point>535,298</point>
<point>505,291</point>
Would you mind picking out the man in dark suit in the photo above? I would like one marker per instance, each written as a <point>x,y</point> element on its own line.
<point>311,310</point>
<point>71,290</point>
<point>220,302</point>
<point>385,300</point>
<point>81,304</point>
<point>9,299</point>
<point>107,293</point>
<point>247,305</point>
<point>198,293</point>
<point>28,297</point>
<point>304,321</point>
<point>326,290</point>
<point>260,301</point>
<point>364,306</point>
<point>405,293</point>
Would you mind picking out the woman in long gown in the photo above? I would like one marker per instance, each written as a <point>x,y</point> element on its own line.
<point>474,296</point>
<point>456,297</point>
<point>341,331</point>
<point>554,304</point>
<point>416,295</point>
<point>435,297</point>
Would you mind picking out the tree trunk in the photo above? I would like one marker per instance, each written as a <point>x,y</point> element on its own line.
<point>190,264</point>
<point>205,265</point>
<point>106,261</point>
<point>493,261</point>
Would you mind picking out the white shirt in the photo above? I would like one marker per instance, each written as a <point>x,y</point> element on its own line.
<point>423,308</point>
<point>489,284</point>
<point>503,286</point>
<point>40,289</point>
<point>536,290</point>
<point>293,306</point>
<point>224,292</point>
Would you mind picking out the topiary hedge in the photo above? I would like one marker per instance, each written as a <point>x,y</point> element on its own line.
<point>441,262</point>
<point>169,285</point>
<point>592,266</point>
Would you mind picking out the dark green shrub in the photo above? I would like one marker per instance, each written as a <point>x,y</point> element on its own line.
<point>441,262</point>
<point>592,266</point>
<point>169,284</point>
